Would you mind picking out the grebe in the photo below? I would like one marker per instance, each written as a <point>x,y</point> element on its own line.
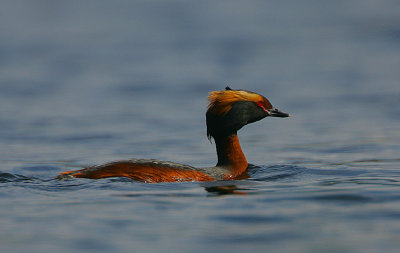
<point>228,111</point>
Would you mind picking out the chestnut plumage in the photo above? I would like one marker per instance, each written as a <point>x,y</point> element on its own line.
<point>229,110</point>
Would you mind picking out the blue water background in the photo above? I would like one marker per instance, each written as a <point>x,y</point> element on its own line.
<point>86,82</point>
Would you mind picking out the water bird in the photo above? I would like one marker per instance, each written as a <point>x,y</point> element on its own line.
<point>228,111</point>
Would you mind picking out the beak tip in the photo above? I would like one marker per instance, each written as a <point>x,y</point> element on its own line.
<point>278,113</point>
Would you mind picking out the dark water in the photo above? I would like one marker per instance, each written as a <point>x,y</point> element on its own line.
<point>86,82</point>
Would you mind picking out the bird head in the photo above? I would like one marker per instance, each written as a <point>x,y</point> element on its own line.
<point>229,110</point>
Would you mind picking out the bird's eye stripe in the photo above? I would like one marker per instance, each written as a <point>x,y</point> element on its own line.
<point>261,105</point>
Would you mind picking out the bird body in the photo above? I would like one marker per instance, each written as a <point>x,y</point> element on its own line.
<point>228,111</point>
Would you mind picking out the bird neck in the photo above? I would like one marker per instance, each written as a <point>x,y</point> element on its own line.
<point>230,154</point>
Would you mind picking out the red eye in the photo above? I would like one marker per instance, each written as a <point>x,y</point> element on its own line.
<point>261,105</point>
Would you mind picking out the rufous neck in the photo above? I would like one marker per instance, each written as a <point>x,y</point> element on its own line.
<point>230,154</point>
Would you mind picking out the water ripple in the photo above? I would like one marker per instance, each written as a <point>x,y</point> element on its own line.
<point>8,177</point>
<point>275,172</point>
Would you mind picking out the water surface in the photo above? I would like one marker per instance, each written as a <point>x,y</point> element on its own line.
<point>84,83</point>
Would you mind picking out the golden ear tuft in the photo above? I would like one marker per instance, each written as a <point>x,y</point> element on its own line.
<point>221,101</point>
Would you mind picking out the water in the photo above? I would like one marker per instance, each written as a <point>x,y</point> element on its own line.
<point>84,83</point>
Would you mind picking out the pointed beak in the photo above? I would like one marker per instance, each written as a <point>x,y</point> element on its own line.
<point>276,113</point>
